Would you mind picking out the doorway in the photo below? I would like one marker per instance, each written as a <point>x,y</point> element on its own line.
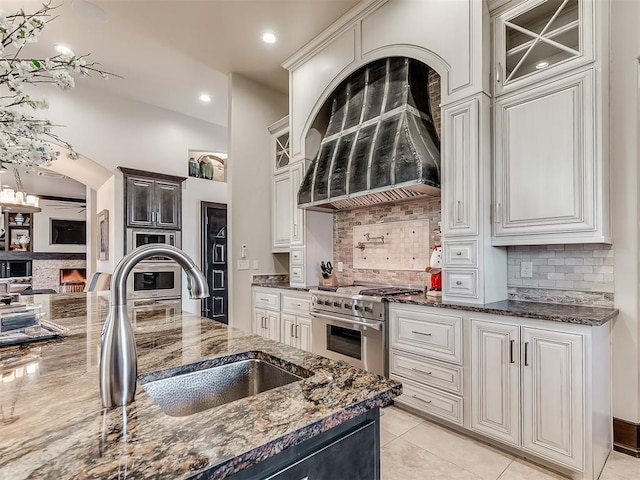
<point>214,260</point>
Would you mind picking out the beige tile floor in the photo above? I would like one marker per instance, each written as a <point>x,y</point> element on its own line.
<point>416,449</point>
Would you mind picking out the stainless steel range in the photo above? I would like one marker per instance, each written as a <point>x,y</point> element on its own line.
<point>350,324</point>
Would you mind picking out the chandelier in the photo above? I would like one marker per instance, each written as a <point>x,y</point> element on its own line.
<point>17,200</point>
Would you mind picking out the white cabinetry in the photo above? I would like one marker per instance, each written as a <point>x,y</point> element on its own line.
<point>426,356</point>
<point>537,39</point>
<point>281,195</point>
<point>540,388</point>
<point>474,272</point>
<point>296,323</point>
<point>282,316</point>
<point>546,368</point>
<point>266,313</point>
<point>281,205</point>
<point>551,182</point>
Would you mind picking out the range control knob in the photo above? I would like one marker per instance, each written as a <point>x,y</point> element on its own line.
<point>357,307</point>
<point>336,304</point>
<point>368,308</point>
<point>347,305</point>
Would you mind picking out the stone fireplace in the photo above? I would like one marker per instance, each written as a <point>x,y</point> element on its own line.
<point>48,274</point>
<point>72,279</point>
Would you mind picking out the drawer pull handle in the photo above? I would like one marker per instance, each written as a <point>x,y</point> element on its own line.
<point>418,398</point>
<point>459,254</point>
<point>526,354</point>
<point>459,282</point>
<point>421,333</point>
<point>263,299</point>
<point>296,305</point>
<point>421,371</point>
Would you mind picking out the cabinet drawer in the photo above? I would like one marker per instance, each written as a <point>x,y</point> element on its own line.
<point>266,299</point>
<point>461,254</point>
<point>419,330</point>
<point>296,256</point>
<point>429,372</point>
<point>461,283</point>
<point>429,400</point>
<point>294,304</point>
<point>296,274</point>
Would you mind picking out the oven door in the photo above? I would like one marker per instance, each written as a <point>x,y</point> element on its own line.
<point>356,341</point>
<point>154,280</point>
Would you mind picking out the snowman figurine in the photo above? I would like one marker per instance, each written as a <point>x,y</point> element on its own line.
<point>435,268</point>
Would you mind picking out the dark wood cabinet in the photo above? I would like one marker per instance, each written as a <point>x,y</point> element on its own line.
<point>348,451</point>
<point>152,200</point>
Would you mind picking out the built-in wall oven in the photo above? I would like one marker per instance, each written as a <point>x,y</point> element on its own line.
<point>139,237</point>
<point>154,280</point>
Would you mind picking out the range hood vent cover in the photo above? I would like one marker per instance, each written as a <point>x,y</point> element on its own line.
<point>381,144</point>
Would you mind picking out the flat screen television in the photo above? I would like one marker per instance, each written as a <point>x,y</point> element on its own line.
<point>68,232</point>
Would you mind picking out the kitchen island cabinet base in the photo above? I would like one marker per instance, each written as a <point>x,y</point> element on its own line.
<point>350,450</point>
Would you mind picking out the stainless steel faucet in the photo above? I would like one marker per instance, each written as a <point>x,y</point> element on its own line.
<point>118,359</point>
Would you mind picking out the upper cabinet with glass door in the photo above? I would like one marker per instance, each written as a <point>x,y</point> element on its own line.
<point>281,150</point>
<point>538,39</point>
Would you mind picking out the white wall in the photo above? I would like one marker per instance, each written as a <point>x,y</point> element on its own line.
<point>42,225</point>
<point>194,192</point>
<point>624,106</point>
<point>114,131</point>
<point>109,197</point>
<point>252,108</point>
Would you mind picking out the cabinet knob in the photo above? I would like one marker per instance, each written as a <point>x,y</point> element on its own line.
<point>459,282</point>
<point>458,254</point>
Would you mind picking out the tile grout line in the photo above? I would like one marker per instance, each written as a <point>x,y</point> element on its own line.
<point>506,468</point>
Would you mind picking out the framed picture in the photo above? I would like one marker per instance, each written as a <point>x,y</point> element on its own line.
<point>103,235</point>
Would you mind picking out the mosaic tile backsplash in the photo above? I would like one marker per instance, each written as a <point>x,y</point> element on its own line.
<point>370,218</point>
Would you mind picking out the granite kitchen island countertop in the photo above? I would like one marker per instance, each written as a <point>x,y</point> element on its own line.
<point>52,424</point>
<point>577,314</point>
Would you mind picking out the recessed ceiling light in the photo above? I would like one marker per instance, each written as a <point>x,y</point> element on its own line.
<point>269,37</point>
<point>542,65</point>
<point>64,50</point>
<point>205,98</point>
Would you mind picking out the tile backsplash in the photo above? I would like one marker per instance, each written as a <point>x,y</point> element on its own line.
<point>576,274</point>
<point>345,222</point>
<point>392,245</point>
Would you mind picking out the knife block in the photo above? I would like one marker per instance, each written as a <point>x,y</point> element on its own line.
<point>332,281</point>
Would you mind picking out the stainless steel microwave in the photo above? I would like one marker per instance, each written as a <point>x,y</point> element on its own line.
<point>139,237</point>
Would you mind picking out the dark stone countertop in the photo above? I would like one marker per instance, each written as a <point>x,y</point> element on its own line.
<point>52,425</point>
<point>282,285</point>
<point>578,314</point>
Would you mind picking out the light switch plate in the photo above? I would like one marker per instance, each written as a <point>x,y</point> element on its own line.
<point>340,266</point>
<point>256,264</point>
<point>243,264</point>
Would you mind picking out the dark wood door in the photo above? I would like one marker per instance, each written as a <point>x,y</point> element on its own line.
<point>214,260</point>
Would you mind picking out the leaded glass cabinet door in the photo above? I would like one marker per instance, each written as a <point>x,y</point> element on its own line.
<point>539,39</point>
<point>140,202</point>
<point>167,197</point>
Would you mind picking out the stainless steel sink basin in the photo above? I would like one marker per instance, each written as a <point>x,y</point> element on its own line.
<point>185,393</point>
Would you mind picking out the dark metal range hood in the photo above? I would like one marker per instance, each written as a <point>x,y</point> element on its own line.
<point>380,145</point>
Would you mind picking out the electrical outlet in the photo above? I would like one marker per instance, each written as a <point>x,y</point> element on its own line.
<point>526,269</point>
<point>340,266</point>
<point>256,264</point>
<point>243,264</point>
